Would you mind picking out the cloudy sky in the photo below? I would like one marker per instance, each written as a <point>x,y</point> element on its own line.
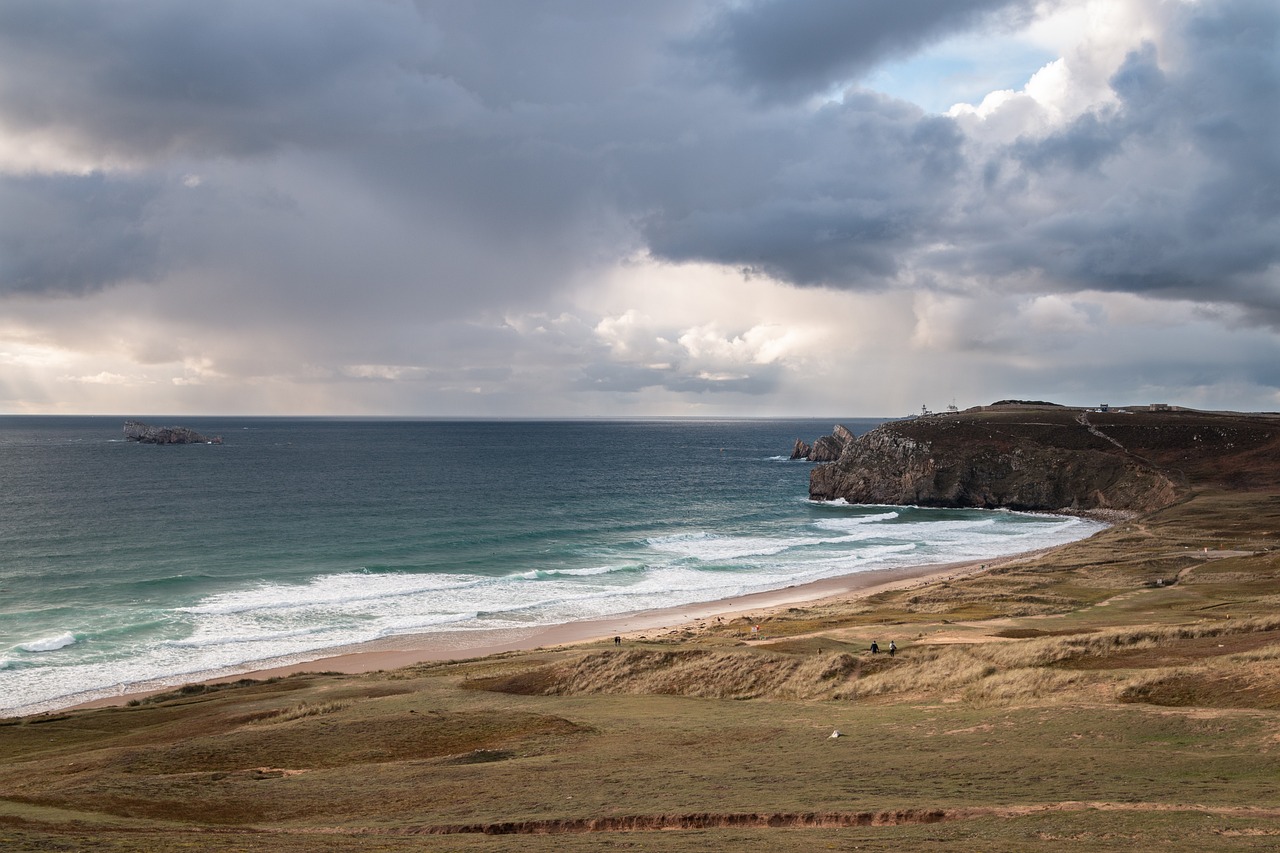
<point>670,207</point>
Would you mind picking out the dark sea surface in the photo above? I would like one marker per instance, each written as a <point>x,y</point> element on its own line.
<point>125,564</point>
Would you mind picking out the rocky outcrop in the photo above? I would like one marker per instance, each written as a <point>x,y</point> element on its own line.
<point>826,448</point>
<point>147,434</point>
<point>1015,459</point>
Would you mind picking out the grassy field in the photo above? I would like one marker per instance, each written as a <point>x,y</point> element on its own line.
<point>1121,692</point>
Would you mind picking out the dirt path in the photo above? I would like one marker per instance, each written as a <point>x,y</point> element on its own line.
<point>1083,420</point>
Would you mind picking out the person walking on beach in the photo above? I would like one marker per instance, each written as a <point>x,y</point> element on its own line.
<point>875,647</point>
<point>893,648</point>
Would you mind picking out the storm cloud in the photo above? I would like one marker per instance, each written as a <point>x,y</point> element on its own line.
<point>70,234</point>
<point>328,204</point>
<point>785,48</point>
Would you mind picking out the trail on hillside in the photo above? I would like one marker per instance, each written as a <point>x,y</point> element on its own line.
<point>1093,430</point>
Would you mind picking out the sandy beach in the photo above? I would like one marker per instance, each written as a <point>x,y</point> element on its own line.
<point>408,649</point>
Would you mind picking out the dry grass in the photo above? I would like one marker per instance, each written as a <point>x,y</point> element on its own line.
<point>936,671</point>
<point>1059,709</point>
<point>1230,686</point>
<point>1023,687</point>
<point>1051,650</point>
<point>738,674</point>
<point>300,711</point>
<point>1028,670</point>
<point>1268,652</point>
<point>993,594</point>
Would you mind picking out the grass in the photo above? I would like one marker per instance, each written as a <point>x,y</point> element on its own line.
<point>1062,701</point>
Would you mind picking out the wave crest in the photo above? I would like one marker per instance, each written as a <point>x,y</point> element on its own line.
<point>49,644</point>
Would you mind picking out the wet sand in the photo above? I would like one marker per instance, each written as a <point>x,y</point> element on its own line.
<point>408,649</point>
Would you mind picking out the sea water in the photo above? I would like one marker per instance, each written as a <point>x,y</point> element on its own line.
<point>124,564</point>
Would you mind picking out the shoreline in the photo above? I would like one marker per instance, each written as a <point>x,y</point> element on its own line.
<point>409,649</point>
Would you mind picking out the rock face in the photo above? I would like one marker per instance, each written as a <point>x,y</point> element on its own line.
<point>146,434</point>
<point>826,448</point>
<point>1059,459</point>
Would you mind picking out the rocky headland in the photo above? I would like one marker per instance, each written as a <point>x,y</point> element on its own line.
<point>1044,457</point>
<point>826,448</point>
<point>147,434</point>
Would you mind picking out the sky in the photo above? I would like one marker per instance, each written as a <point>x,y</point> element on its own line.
<point>576,208</point>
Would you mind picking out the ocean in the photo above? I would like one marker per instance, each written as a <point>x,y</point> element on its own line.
<point>124,565</point>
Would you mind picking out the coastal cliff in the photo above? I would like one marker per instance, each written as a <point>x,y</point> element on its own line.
<point>1050,458</point>
<point>827,448</point>
<point>147,434</point>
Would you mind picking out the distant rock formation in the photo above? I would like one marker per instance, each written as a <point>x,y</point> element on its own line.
<point>1035,456</point>
<point>146,434</point>
<point>826,448</point>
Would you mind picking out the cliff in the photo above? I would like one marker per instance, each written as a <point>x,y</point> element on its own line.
<point>147,434</point>
<point>827,448</point>
<point>1026,457</point>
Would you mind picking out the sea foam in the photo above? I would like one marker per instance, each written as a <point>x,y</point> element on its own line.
<point>49,644</point>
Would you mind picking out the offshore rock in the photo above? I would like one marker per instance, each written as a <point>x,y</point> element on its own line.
<point>1054,459</point>
<point>146,434</point>
<point>801,450</point>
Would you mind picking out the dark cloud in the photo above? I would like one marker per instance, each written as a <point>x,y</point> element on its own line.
<point>458,128</point>
<point>794,48</point>
<point>1172,191</point>
<point>548,129</point>
<point>149,77</point>
<point>71,234</point>
<point>839,199</point>
<point>517,54</point>
<point>357,176</point>
<point>1083,146</point>
<point>617,378</point>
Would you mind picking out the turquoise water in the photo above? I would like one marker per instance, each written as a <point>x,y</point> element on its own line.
<point>123,563</point>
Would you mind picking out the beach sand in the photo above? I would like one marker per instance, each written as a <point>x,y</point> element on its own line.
<point>409,649</point>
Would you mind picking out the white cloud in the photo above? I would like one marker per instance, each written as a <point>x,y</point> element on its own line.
<point>384,372</point>
<point>627,333</point>
<point>107,378</point>
<point>17,353</point>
